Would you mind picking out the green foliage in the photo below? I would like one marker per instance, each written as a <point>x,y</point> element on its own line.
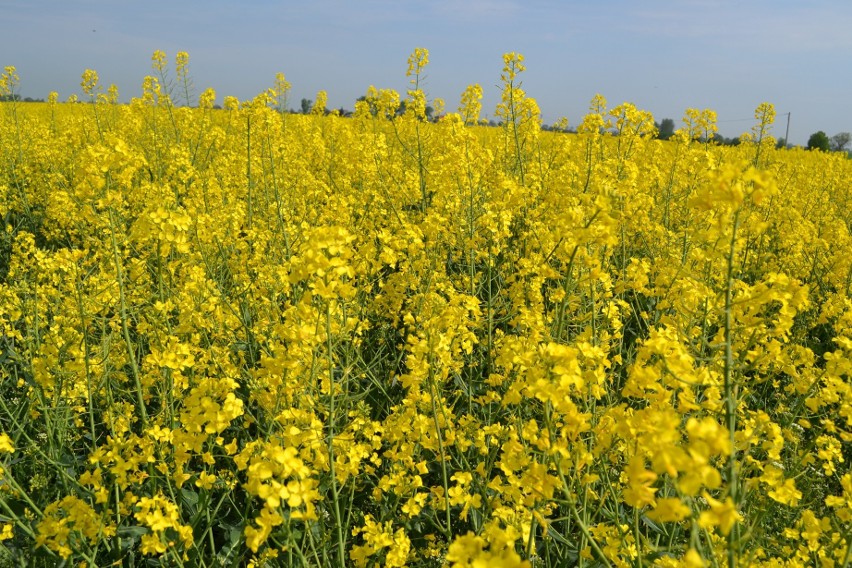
<point>818,141</point>
<point>666,129</point>
<point>840,141</point>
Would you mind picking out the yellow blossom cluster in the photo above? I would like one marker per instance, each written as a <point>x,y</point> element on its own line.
<point>250,336</point>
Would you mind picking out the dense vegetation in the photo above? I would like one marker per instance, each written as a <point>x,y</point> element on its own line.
<point>243,336</point>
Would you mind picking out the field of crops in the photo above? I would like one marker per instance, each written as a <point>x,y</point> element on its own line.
<point>241,336</point>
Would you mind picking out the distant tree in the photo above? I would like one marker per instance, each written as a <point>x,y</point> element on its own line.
<point>666,129</point>
<point>307,105</point>
<point>782,143</point>
<point>722,141</point>
<point>840,140</point>
<point>818,141</point>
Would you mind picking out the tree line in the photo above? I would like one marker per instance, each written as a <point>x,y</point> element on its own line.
<point>17,98</point>
<point>838,143</point>
<point>819,140</point>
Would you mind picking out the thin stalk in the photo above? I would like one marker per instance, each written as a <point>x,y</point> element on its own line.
<point>87,365</point>
<point>731,390</point>
<point>341,539</point>
<point>421,171</point>
<point>124,327</point>
<point>445,479</point>
<point>572,507</point>
<point>638,536</point>
<point>513,120</point>
<point>278,207</point>
<point>248,170</point>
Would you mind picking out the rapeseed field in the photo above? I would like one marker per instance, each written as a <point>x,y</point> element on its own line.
<point>245,337</point>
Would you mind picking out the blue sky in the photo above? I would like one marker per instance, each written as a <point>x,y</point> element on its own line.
<point>662,55</point>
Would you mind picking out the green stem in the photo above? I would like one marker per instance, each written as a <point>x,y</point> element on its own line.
<point>569,498</point>
<point>731,390</point>
<point>335,493</point>
<point>445,479</point>
<point>124,318</point>
<point>87,365</point>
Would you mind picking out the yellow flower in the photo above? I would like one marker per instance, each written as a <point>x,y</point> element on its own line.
<point>89,82</point>
<point>158,60</point>
<point>320,103</point>
<point>721,514</point>
<point>417,61</point>
<point>693,560</point>
<point>161,516</point>
<point>669,509</point>
<point>151,543</point>
<point>465,548</point>
<point>6,444</point>
<point>639,491</point>
<point>471,104</point>
<point>205,480</point>
<point>266,521</point>
<point>397,555</point>
<point>66,518</point>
